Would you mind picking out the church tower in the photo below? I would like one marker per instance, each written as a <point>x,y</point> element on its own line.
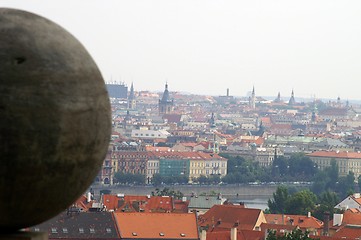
<point>165,104</point>
<point>314,113</point>
<point>131,98</point>
<point>278,99</point>
<point>252,99</point>
<point>292,100</point>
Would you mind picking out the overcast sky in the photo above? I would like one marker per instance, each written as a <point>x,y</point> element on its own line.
<point>207,46</point>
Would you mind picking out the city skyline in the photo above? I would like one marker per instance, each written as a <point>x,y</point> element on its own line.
<point>204,47</point>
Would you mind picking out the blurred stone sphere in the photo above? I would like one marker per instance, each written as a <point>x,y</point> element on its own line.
<point>55,119</point>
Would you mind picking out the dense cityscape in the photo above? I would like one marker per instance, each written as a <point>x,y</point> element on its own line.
<point>306,153</point>
<point>180,120</point>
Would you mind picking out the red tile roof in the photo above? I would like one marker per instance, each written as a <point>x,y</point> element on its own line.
<point>229,216</point>
<point>129,203</point>
<point>241,235</point>
<point>161,149</point>
<point>336,154</point>
<point>173,118</point>
<point>157,225</point>
<point>348,232</point>
<point>352,216</point>
<point>297,220</point>
<point>181,206</point>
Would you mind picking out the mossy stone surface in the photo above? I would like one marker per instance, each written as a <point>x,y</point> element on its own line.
<point>55,119</point>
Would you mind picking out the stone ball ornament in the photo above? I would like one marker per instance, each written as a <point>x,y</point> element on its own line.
<point>55,119</point>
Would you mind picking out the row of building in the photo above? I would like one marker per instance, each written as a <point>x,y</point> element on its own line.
<point>252,127</point>
<point>165,163</point>
<point>162,217</point>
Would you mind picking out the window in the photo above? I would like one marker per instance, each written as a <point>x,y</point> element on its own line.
<point>81,230</point>
<point>36,229</point>
<point>108,230</point>
<point>92,230</point>
<point>54,230</point>
<point>65,230</point>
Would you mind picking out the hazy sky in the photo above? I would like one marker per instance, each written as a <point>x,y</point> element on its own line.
<point>207,46</point>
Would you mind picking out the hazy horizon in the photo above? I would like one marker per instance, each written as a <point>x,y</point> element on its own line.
<point>206,46</point>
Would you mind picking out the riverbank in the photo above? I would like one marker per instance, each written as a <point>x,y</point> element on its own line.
<point>228,191</point>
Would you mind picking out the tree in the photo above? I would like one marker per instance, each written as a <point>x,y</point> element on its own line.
<point>202,179</point>
<point>326,203</point>
<point>302,167</point>
<point>301,203</point>
<point>157,179</point>
<point>168,192</point>
<point>346,185</point>
<point>279,202</point>
<point>296,234</point>
<point>359,183</point>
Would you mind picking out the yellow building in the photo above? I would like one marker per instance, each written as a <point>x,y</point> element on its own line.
<point>346,161</point>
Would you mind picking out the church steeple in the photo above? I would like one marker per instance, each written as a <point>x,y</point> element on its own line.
<point>131,98</point>
<point>278,99</point>
<point>314,112</point>
<point>292,100</point>
<point>252,99</point>
<point>212,121</point>
<point>165,104</point>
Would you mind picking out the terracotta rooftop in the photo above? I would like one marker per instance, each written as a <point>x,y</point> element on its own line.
<point>296,220</point>
<point>241,235</point>
<point>130,203</point>
<point>348,232</point>
<point>229,216</point>
<point>336,154</point>
<point>157,225</point>
<point>351,216</point>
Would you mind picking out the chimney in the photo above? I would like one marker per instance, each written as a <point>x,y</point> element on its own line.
<point>233,233</point>
<point>227,92</point>
<point>309,214</point>
<point>326,222</point>
<point>203,235</point>
<point>89,197</point>
<point>337,219</point>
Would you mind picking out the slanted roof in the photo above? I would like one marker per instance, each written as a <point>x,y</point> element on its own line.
<point>204,202</point>
<point>157,225</point>
<point>93,225</point>
<point>348,232</point>
<point>173,118</point>
<point>351,216</point>
<point>229,216</point>
<point>336,154</point>
<point>134,203</point>
<point>181,206</point>
<point>304,222</point>
<point>241,235</point>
